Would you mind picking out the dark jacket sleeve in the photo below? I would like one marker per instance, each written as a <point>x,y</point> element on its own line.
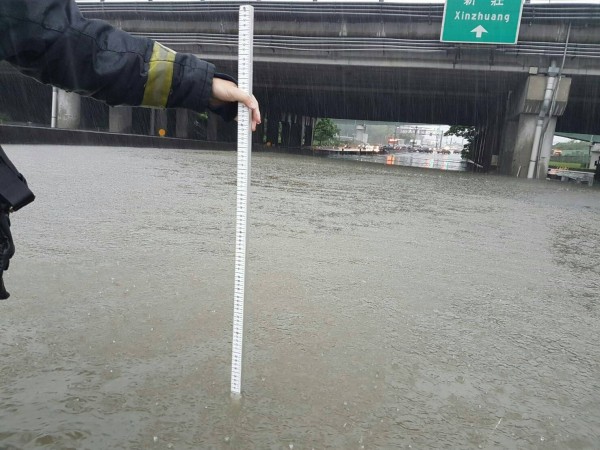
<point>51,41</point>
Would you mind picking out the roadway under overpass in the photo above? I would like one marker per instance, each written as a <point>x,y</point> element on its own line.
<point>385,62</point>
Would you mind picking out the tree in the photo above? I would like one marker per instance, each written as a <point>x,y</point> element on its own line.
<point>326,132</point>
<point>467,133</point>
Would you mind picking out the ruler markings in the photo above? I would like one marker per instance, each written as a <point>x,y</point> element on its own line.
<point>244,148</point>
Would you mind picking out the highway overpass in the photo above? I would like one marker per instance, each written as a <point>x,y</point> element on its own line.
<point>385,61</point>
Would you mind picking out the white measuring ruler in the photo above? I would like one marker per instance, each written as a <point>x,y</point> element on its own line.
<point>244,150</point>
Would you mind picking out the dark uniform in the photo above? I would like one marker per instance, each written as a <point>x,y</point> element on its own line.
<point>52,42</point>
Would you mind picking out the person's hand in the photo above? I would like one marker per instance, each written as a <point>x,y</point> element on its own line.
<point>224,91</point>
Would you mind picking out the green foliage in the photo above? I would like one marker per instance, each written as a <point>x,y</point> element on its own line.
<point>573,145</point>
<point>326,132</point>
<point>573,151</point>
<point>467,133</point>
<point>566,165</point>
<point>4,117</point>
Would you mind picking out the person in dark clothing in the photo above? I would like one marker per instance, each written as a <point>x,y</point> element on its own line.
<point>52,42</point>
<point>597,173</point>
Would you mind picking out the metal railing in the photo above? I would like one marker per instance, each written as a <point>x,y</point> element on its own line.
<point>579,14</point>
<point>368,44</point>
<point>414,11</point>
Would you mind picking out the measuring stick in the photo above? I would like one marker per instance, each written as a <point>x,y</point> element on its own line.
<point>244,150</point>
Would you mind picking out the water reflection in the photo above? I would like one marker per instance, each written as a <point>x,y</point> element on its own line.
<point>440,161</point>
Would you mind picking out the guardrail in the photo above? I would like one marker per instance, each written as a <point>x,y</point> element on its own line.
<point>425,11</point>
<point>582,15</point>
<point>572,175</point>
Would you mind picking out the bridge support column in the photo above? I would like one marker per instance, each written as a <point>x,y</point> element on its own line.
<point>219,130</point>
<point>285,134</point>
<point>69,110</point>
<point>296,132</point>
<point>524,139</point>
<point>307,130</point>
<point>212,127</point>
<point>272,131</point>
<point>227,131</point>
<point>487,143</point>
<point>286,128</point>
<point>258,135</point>
<point>160,121</point>
<point>120,119</point>
<point>181,123</point>
<point>520,127</point>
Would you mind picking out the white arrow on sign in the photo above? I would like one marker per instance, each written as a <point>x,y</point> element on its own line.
<point>479,30</point>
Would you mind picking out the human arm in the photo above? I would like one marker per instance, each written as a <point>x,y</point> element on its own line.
<point>51,41</point>
<point>225,91</point>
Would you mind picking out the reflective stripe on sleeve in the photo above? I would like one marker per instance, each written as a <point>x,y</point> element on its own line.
<point>160,76</point>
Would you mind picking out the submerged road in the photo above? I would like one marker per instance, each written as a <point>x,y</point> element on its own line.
<point>388,307</point>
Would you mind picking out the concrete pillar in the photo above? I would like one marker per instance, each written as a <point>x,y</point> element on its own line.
<point>491,141</point>
<point>520,126</point>
<point>181,123</point>
<point>286,127</point>
<point>259,134</point>
<point>152,124</point>
<point>525,133</point>
<point>226,131</point>
<point>120,119</point>
<point>212,127</point>
<point>546,149</point>
<point>360,133</point>
<point>518,135</point>
<point>69,110</point>
<point>296,132</point>
<point>285,134</point>
<point>307,133</point>
<point>160,122</point>
<point>272,125</point>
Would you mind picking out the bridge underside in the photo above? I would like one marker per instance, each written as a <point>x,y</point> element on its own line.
<point>443,96</point>
<point>382,62</point>
<point>369,62</point>
<point>373,93</point>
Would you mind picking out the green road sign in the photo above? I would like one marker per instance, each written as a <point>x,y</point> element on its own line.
<point>482,21</point>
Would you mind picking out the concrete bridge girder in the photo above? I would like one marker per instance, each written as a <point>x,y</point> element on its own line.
<point>380,63</point>
<point>354,48</point>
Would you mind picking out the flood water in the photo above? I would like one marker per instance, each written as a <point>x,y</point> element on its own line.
<point>427,160</point>
<point>387,306</point>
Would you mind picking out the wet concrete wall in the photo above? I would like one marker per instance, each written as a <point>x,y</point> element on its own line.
<point>37,135</point>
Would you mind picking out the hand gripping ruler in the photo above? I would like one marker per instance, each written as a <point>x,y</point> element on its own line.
<point>244,150</point>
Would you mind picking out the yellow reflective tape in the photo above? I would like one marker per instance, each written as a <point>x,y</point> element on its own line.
<point>160,76</point>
